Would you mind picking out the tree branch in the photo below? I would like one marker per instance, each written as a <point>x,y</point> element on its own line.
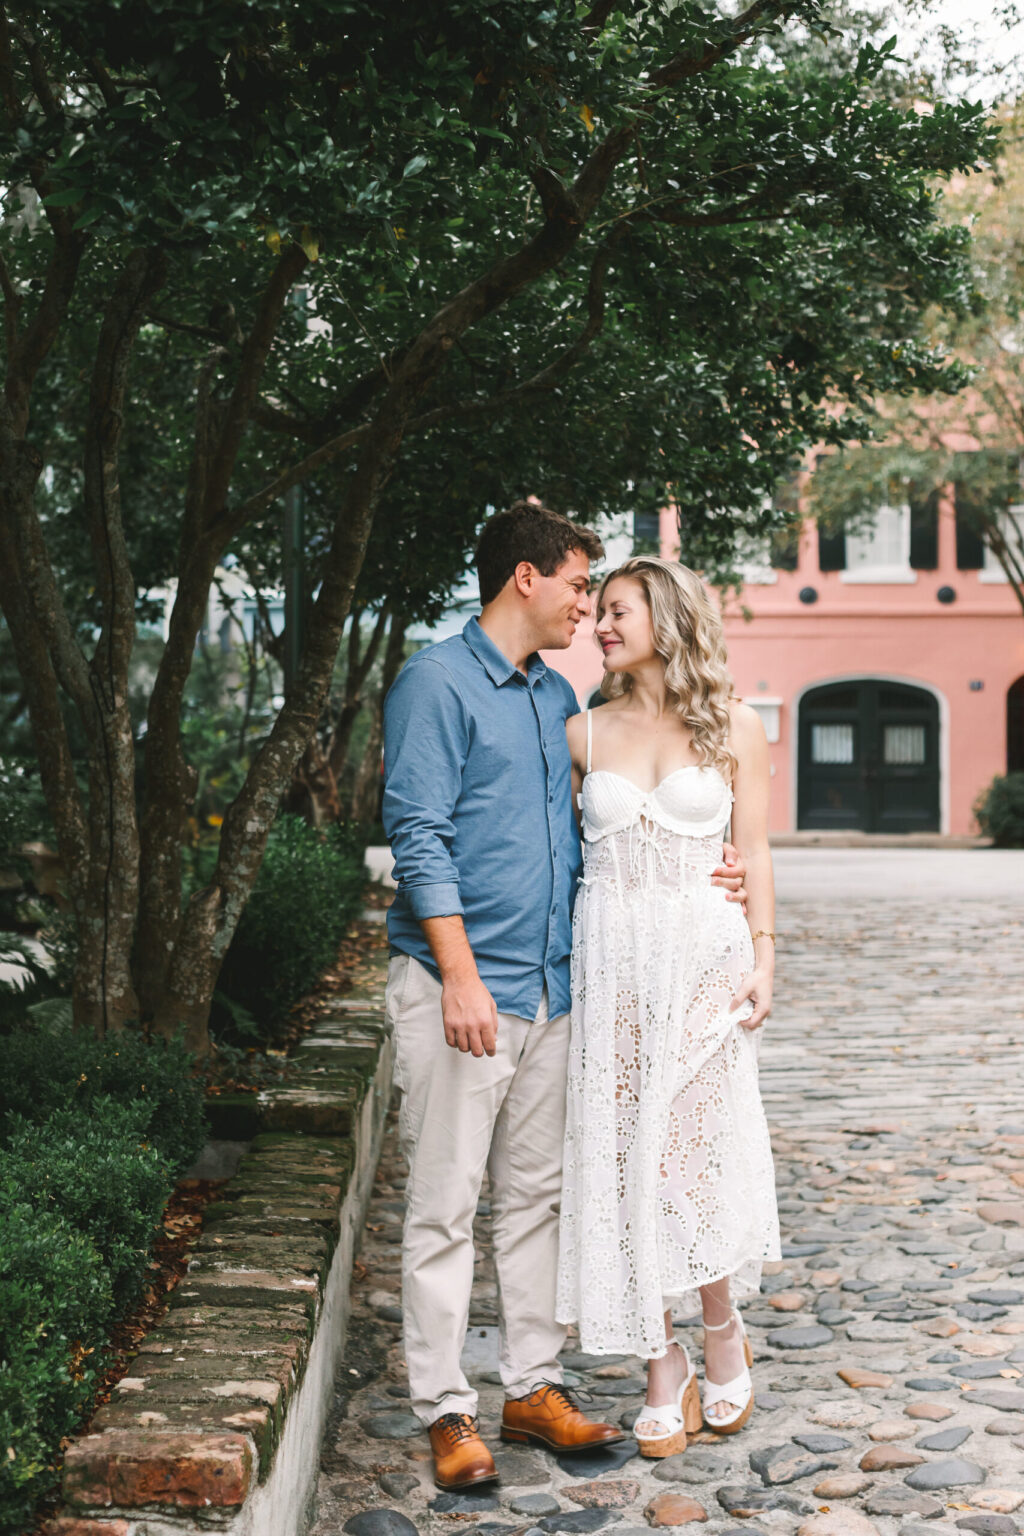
<point>13,105</point>
<point>12,306</point>
<point>101,75</point>
<point>142,274</point>
<point>356,673</point>
<point>274,419</point>
<point>555,198</point>
<point>35,341</point>
<point>547,377</point>
<point>255,349</point>
<point>204,332</point>
<point>598,14</point>
<point>736,32</point>
<point>237,518</point>
<point>37,69</point>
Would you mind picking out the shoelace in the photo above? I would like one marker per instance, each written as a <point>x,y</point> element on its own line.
<point>568,1399</point>
<point>456,1427</point>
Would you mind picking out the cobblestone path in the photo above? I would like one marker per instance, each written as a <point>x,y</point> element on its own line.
<point>889,1343</point>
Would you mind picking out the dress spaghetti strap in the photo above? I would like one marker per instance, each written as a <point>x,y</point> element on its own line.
<point>590,736</point>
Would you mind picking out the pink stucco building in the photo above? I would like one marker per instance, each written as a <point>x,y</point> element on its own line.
<point>888,669</point>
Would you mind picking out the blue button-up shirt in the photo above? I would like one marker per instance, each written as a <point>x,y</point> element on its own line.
<point>478,811</point>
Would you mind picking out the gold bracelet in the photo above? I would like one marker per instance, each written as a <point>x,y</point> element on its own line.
<point>762,933</point>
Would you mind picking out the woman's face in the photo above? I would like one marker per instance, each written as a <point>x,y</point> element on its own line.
<point>623,629</point>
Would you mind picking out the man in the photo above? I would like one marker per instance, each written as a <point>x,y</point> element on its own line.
<point>478,811</point>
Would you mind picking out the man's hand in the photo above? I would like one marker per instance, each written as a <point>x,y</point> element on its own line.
<point>731,874</point>
<point>470,1016</point>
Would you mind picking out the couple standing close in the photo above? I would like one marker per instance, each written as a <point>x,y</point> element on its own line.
<point>599,1064</point>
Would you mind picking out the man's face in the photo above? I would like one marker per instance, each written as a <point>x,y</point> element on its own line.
<point>558,602</point>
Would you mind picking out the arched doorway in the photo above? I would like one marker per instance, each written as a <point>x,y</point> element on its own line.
<point>1015,727</point>
<point>868,758</point>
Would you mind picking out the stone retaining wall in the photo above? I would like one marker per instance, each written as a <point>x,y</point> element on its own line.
<point>217,1424</point>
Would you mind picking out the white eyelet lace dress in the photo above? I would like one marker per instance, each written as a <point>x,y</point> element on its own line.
<point>668,1181</point>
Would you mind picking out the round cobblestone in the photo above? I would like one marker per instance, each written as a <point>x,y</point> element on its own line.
<point>899,1174</point>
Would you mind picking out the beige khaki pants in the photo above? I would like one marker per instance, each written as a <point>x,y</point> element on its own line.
<point>462,1114</point>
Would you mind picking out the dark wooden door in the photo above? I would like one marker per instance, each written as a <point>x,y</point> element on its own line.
<point>1015,727</point>
<point>868,758</point>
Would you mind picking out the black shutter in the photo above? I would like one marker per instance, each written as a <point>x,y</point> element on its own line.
<point>970,546</point>
<point>647,533</point>
<point>924,529</point>
<point>831,550</point>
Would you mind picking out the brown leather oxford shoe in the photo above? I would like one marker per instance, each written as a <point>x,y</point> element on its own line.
<point>460,1456</point>
<point>548,1416</point>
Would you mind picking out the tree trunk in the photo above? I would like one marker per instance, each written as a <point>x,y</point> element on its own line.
<point>103,866</point>
<point>211,917</point>
<point>206,532</point>
<point>313,793</point>
<point>104,992</point>
<point>366,791</point>
<point>359,668</point>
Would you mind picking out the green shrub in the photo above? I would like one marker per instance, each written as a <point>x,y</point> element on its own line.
<point>81,1192</point>
<point>98,1171</point>
<point>42,1075</point>
<point>55,1306</point>
<point>999,811</point>
<point>308,890</point>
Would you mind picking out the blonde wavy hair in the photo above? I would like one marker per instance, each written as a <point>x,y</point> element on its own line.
<point>688,637</point>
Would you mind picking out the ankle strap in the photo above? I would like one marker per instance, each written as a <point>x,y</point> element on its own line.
<point>719,1327</point>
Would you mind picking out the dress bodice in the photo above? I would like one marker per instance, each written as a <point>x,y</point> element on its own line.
<point>666,840</point>
<point>693,801</point>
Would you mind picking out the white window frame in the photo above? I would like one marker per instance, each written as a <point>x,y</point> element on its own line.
<point>754,560</point>
<point>769,708</point>
<point>992,573</point>
<point>894,573</point>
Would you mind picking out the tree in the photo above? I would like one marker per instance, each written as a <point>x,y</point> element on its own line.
<point>973,445</point>
<point>487,212</point>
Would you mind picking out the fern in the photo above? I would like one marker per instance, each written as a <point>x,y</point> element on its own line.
<point>21,964</point>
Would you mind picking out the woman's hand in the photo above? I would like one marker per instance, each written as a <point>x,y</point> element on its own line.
<point>758,988</point>
<point>731,874</point>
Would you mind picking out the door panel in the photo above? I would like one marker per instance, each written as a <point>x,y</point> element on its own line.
<point>1015,727</point>
<point>868,759</point>
<point>907,783</point>
<point>831,747</point>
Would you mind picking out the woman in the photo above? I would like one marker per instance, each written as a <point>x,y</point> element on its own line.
<point>669,1190</point>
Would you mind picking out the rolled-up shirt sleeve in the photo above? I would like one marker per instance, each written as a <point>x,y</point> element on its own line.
<point>426,739</point>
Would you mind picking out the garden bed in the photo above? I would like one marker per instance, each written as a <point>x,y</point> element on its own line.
<point>217,1418</point>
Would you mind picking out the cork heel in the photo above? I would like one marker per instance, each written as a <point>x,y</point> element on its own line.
<point>662,1445</point>
<point>693,1417</point>
<point>674,1418</point>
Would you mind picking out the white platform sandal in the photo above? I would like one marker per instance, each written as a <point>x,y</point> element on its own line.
<point>739,1391</point>
<point>674,1420</point>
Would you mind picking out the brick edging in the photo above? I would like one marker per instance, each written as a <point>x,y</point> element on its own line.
<point>217,1421</point>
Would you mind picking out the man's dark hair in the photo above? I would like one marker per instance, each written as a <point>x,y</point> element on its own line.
<point>528,532</point>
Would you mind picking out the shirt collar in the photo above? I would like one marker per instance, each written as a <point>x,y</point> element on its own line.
<point>494,662</point>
